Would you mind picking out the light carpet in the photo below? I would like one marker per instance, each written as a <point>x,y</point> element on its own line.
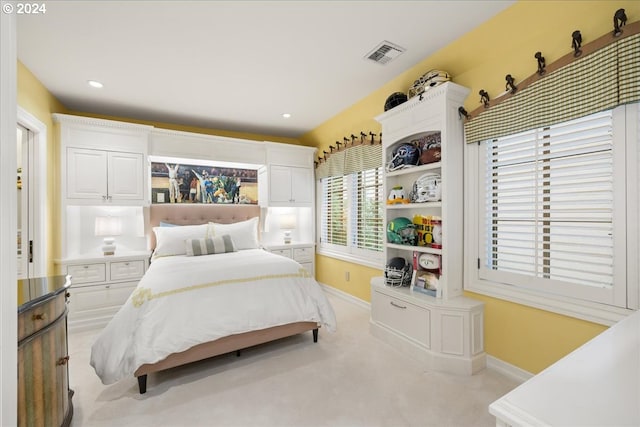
<point>348,378</point>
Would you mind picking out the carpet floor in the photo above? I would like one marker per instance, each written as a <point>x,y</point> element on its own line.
<point>348,378</point>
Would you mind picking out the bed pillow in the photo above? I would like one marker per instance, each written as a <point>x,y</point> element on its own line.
<point>209,245</point>
<point>244,233</point>
<point>168,224</point>
<point>170,240</point>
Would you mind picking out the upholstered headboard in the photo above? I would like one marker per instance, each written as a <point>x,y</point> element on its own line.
<point>190,214</point>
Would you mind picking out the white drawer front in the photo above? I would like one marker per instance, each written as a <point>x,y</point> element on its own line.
<point>303,254</point>
<point>87,273</point>
<point>283,252</point>
<point>403,317</point>
<point>124,270</point>
<point>101,296</point>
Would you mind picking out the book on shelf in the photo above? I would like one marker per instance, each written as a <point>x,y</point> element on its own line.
<point>429,230</point>
<point>426,274</point>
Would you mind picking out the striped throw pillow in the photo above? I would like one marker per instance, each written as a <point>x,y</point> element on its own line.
<point>210,245</point>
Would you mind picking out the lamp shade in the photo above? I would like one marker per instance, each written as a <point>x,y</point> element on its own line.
<point>108,226</point>
<point>288,222</point>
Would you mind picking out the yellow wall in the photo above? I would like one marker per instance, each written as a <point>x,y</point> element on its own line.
<point>39,102</point>
<point>525,337</point>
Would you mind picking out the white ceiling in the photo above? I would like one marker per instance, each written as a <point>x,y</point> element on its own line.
<point>233,65</point>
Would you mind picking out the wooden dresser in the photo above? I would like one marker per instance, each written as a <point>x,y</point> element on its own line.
<point>44,397</point>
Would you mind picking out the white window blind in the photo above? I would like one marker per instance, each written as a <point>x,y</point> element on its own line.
<point>334,211</point>
<point>548,208</point>
<point>351,216</point>
<point>367,220</point>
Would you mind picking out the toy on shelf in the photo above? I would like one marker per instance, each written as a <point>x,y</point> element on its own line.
<point>397,196</point>
<point>426,274</point>
<point>427,188</point>
<point>402,231</point>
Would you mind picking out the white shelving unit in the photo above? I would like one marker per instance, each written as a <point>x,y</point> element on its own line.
<point>445,332</point>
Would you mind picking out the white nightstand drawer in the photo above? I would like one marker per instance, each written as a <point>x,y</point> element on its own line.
<point>124,270</point>
<point>403,317</point>
<point>89,298</point>
<point>303,254</point>
<point>283,252</point>
<point>87,273</point>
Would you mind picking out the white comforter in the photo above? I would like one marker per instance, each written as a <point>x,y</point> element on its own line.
<point>184,301</point>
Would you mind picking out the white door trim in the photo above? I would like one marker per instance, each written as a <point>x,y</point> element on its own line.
<point>38,187</point>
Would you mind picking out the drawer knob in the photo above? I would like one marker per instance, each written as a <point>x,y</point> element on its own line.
<point>85,266</point>
<point>38,316</point>
<point>398,305</point>
<point>62,361</point>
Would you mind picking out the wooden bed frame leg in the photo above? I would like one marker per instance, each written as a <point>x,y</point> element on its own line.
<point>237,353</point>
<point>315,335</point>
<point>142,383</point>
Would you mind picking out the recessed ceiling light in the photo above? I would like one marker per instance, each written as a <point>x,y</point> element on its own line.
<point>94,83</point>
<point>286,115</point>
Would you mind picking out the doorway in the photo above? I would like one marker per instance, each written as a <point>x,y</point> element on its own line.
<point>31,178</point>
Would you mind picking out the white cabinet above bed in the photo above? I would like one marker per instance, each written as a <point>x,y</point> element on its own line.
<point>100,285</point>
<point>102,161</point>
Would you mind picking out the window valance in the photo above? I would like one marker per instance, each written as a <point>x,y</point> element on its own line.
<point>356,158</point>
<point>599,81</point>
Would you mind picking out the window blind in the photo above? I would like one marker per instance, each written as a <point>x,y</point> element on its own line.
<point>367,219</point>
<point>334,211</point>
<point>548,209</point>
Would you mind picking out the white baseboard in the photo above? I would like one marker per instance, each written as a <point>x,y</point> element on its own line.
<point>345,296</point>
<point>508,369</point>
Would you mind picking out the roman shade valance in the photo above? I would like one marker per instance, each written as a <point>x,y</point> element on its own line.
<point>356,158</point>
<point>602,80</point>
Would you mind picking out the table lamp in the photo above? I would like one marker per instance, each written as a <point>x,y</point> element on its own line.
<point>108,227</point>
<point>287,223</point>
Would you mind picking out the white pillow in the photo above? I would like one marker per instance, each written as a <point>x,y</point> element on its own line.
<point>244,233</point>
<point>171,240</point>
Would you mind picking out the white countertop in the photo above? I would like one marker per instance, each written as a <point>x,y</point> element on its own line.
<point>598,384</point>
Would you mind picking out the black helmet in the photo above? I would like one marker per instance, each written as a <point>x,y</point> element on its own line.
<point>394,100</point>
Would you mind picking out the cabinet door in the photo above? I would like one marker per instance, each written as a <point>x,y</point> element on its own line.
<point>86,174</point>
<point>280,184</point>
<point>301,185</point>
<point>125,176</point>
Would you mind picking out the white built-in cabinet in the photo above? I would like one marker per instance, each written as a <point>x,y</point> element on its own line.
<point>105,176</point>
<point>103,161</point>
<point>290,185</point>
<point>287,178</point>
<point>443,331</point>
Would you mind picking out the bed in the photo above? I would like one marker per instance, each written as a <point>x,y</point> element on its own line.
<point>223,295</point>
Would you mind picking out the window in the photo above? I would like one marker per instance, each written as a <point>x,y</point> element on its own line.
<point>549,215</point>
<point>351,217</point>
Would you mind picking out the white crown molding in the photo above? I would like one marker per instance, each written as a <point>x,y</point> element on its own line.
<point>91,121</point>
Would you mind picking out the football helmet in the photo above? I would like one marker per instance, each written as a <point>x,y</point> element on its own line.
<point>394,100</point>
<point>397,272</point>
<point>428,80</point>
<point>402,231</point>
<point>427,188</point>
<point>405,155</point>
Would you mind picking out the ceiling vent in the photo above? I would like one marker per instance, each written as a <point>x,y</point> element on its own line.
<point>385,52</point>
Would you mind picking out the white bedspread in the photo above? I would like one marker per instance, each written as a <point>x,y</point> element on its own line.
<point>184,301</point>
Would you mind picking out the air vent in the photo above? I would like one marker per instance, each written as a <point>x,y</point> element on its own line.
<point>385,52</point>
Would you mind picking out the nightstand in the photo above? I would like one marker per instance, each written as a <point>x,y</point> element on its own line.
<point>100,285</point>
<point>304,253</point>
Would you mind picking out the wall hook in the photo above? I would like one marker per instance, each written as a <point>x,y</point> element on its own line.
<point>576,43</point>
<point>510,84</point>
<point>541,63</point>
<point>619,21</point>
<point>484,98</point>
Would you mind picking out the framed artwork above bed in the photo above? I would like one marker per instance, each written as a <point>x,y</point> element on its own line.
<point>188,183</point>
